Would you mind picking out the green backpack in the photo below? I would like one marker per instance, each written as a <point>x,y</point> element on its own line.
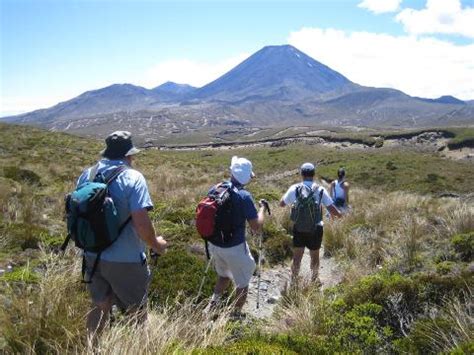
<point>305,212</point>
<point>92,219</point>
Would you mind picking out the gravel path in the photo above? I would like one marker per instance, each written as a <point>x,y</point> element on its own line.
<point>274,280</point>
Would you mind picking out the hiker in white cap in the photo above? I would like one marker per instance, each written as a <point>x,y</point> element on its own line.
<point>306,199</point>
<point>228,247</point>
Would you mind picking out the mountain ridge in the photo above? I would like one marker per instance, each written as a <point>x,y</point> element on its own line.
<point>277,85</point>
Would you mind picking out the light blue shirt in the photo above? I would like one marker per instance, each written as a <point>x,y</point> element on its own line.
<point>130,193</point>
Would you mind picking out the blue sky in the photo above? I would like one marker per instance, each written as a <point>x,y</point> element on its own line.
<point>53,50</point>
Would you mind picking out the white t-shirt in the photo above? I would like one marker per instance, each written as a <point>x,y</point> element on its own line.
<point>290,196</point>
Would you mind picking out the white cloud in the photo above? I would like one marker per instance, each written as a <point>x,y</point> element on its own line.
<point>380,6</point>
<point>425,67</point>
<point>439,16</point>
<point>15,105</point>
<point>186,71</point>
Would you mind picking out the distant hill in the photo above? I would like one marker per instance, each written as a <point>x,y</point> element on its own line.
<point>278,85</point>
<point>447,99</point>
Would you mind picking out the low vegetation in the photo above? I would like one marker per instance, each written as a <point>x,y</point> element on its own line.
<point>406,254</point>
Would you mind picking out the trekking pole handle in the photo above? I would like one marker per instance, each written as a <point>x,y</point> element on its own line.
<point>265,204</point>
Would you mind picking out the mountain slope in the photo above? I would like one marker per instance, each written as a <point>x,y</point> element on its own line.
<point>278,85</point>
<point>275,72</point>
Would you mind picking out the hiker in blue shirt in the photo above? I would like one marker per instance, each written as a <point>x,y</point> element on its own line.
<point>122,275</point>
<point>231,256</point>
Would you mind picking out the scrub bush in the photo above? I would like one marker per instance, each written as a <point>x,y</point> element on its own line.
<point>21,175</point>
<point>177,276</point>
<point>463,245</point>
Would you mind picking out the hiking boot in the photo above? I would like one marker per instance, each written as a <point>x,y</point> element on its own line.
<point>316,281</point>
<point>237,315</point>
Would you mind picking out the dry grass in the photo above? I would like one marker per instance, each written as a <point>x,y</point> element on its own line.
<point>395,229</point>
<point>49,317</point>
<point>460,317</point>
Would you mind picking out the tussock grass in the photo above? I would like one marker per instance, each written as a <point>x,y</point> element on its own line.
<point>49,317</point>
<point>399,230</point>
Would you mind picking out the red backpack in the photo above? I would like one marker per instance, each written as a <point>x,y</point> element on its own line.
<point>215,204</point>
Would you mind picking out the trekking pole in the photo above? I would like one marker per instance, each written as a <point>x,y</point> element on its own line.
<point>260,252</point>
<point>203,280</point>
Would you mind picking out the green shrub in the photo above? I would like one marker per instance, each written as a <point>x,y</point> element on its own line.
<point>21,274</point>
<point>277,244</point>
<point>179,233</point>
<point>463,244</point>
<point>21,236</point>
<point>445,267</point>
<point>255,347</point>
<point>21,175</point>
<point>420,339</point>
<point>178,275</point>
<point>359,329</point>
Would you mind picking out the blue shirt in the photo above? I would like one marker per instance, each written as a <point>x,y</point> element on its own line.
<point>130,193</point>
<point>243,209</point>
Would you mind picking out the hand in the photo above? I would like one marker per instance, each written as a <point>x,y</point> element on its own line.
<point>161,246</point>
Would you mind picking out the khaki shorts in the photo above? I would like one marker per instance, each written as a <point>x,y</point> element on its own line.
<point>127,283</point>
<point>235,263</point>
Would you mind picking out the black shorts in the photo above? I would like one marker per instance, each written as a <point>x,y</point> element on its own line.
<point>312,241</point>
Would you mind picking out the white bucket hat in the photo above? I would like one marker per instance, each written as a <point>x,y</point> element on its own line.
<point>241,169</point>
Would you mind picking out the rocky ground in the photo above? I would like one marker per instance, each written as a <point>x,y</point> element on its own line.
<point>275,280</point>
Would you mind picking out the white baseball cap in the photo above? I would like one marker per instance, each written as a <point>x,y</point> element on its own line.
<point>241,169</point>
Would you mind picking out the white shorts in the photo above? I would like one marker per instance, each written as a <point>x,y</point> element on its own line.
<point>235,263</point>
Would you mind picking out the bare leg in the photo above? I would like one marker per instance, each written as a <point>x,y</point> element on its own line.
<point>241,297</point>
<point>98,317</point>
<point>314,254</point>
<point>221,284</point>
<point>295,267</point>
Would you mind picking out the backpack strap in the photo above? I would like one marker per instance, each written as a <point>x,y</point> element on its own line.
<point>320,197</point>
<point>114,174</point>
<point>93,172</point>
<point>94,268</point>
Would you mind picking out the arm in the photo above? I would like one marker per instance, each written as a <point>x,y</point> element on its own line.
<point>289,197</point>
<point>334,211</point>
<point>346,191</point>
<point>145,230</point>
<point>257,223</point>
<point>331,189</point>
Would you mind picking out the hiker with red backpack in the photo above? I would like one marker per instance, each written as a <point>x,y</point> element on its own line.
<point>306,200</point>
<point>220,219</point>
<point>107,217</point>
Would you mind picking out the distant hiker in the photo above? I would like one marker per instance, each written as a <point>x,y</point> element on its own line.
<point>227,245</point>
<point>340,191</point>
<point>118,274</point>
<point>306,199</point>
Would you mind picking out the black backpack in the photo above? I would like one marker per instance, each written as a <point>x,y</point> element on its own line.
<point>306,213</point>
<point>224,217</point>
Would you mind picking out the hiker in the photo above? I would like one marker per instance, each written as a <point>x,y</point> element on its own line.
<point>231,253</point>
<point>121,275</point>
<point>306,199</point>
<point>340,191</point>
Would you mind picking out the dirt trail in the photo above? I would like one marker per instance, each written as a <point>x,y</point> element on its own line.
<point>274,281</point>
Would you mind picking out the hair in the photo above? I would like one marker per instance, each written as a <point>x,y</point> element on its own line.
<point>341,173</point>
<point>307,173</point>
